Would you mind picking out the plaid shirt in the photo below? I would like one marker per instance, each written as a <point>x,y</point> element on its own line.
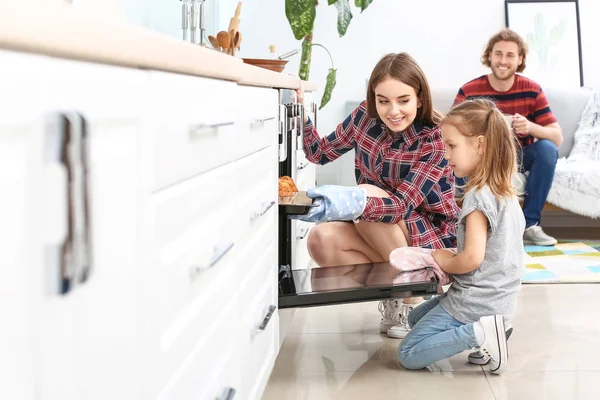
<point>410,167</point>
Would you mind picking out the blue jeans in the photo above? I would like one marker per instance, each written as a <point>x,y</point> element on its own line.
<point>539,158</point>
<point>435,335</point>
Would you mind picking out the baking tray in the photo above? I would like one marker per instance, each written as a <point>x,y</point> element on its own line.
<point>300,204</point>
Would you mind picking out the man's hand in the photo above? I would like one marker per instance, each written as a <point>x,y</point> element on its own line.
<point>521,125</point>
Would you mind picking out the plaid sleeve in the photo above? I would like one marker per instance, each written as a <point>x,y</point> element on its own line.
<point>423,176</point>
<point>460,97</point>
<point>323,150</point>
<point>542,114</point>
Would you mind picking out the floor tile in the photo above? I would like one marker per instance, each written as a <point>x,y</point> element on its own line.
<point>546,385</point>
<point>379,384</point>
<point>349,353</point>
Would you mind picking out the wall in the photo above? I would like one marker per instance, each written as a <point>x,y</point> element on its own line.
<point>445,37</point>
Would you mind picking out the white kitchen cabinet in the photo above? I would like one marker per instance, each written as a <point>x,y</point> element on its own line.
<point>73,339</point>
<point>23,230</point>
<point>182,221</point>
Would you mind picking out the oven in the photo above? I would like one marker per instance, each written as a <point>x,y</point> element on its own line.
<point>301,287</point>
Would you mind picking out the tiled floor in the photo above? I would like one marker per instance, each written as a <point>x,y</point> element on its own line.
<point>337,353</point>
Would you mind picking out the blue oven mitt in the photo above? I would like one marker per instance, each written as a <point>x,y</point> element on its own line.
<point>335,203</point>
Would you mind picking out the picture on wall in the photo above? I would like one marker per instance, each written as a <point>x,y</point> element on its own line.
<point>551,30</point>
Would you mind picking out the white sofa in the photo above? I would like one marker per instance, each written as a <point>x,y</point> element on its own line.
<point>567,106</point>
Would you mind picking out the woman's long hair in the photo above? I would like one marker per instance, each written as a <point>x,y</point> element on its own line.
<point>404,68</point>
<point>481,117</point>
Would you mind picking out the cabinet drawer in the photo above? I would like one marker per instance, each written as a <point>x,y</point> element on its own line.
<point>259,124</point>
<point>260,339</point>
<point>257,186</point>
<point>211,367</point>
<point>257,258</point>
<point>183,308</point>
<point>179,208</point>
<point>192,133</point>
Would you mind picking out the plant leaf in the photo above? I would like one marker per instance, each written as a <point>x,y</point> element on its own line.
<point>344,16</point>
<point>330,2</point>
<point>306,58</point>
<point>301,16</point>
<point>362,4</point>
<point>329,85</point>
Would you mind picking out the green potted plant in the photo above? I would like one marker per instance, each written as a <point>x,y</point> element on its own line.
<point>301,16</point>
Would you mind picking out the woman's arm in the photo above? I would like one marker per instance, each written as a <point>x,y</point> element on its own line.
<point>423,176</point>
<point>474,251</point>
<point>321,150</point>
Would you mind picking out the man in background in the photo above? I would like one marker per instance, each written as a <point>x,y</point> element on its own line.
<point>524,103</point>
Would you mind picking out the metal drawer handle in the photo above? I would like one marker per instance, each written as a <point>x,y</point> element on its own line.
<point>303,233</point>
<point>267,318</point>
<point>262,212</point>
<point>228,394</point>
<point>302,166</point>
<point>262,120</point>
<point>200,130</point>
<point>219,252</point>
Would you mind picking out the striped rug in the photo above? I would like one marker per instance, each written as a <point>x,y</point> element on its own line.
<point>565,262</point>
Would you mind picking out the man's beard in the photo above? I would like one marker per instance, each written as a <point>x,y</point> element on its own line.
<point>510,74</point>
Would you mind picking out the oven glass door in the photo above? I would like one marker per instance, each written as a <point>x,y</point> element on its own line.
<point>352,283</point>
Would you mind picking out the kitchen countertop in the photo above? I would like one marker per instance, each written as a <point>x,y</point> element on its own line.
<point>60,30</point>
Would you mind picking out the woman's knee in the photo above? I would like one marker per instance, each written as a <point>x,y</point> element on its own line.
<point>320,242</point>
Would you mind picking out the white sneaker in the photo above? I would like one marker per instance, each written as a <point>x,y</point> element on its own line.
<point>478,358</point>
<point>535,235</point>
<point>401,329</point>
<point>494,342</point>
<point>389,314</point>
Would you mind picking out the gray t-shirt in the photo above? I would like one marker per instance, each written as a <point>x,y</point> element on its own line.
<point>491,289</point>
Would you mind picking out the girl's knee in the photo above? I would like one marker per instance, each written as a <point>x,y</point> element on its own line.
<point>407,360</point>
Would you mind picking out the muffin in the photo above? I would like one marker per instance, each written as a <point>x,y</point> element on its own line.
<point>287,189</point>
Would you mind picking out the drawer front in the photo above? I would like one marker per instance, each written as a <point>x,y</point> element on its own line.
<point>184,206</point>
<point>260,339</point>
<point>187,294</point>
<point>257,181</point>
<point>211,367</point>
<point>257,258</point>
<point>259,124</point>
<point>191,134</point>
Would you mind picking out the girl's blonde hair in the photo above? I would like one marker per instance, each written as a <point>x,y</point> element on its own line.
<point>403,67</point>
<point>481,117</point>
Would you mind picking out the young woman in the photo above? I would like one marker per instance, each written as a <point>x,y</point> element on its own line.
<point>405,192</point>
<point>488,266</point>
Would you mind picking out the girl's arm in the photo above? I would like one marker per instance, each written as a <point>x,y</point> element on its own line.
<point>320,150</point>
<point>423,176</point>
<point>474,251</point>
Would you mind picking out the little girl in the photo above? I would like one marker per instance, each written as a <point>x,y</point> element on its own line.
<point>488,265</point>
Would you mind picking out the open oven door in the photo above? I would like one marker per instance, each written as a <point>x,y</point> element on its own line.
<point>352,283</point>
